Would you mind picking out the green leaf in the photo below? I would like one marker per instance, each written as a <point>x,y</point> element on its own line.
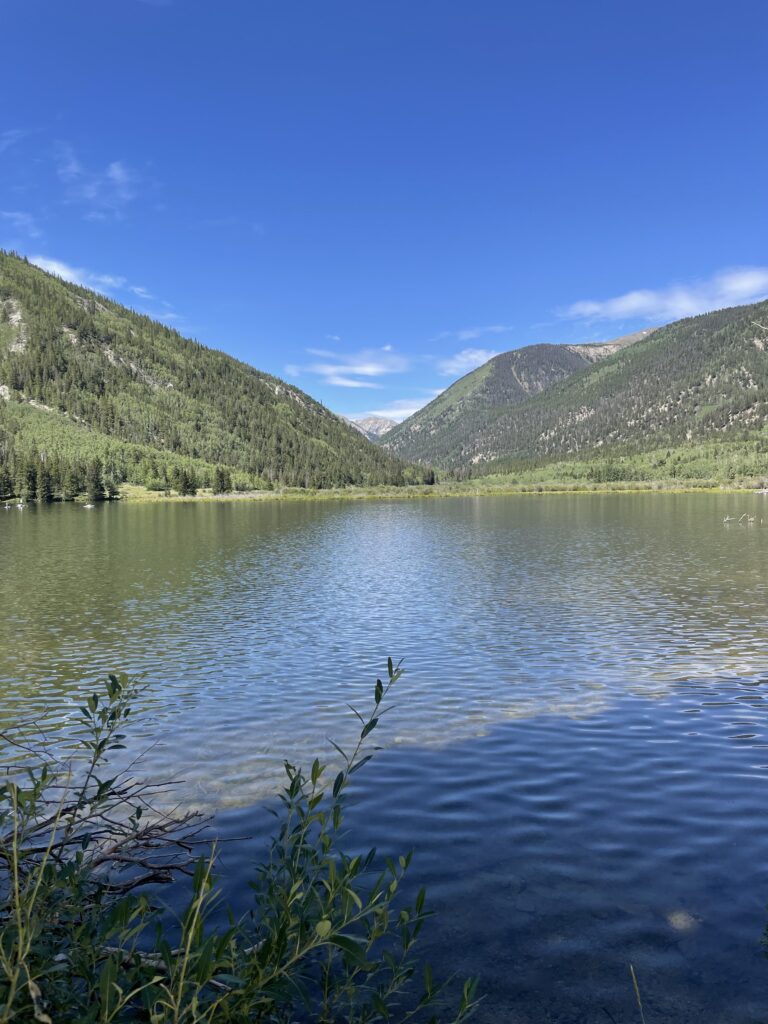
<point>369,727</point>
<point>360,763</point>
<point>350,947</point>
<point>355,898</point>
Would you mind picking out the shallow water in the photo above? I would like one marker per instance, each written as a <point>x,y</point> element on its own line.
<point>579,753</point>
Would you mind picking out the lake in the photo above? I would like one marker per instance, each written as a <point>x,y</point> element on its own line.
<point>579,752</point>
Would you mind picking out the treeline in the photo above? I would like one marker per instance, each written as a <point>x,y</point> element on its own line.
<point>45,457</point>
<point>34,476</point>
<point>93,365</point>
<point>743,461</point>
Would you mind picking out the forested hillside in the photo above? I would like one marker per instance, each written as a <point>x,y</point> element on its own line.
<point>85,381</point>
<point>701,379</point>
<point>471,404</point>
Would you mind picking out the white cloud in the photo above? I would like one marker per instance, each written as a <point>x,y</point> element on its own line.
<point>23,222</point>
<point>356,370</point>
<point>400,409</point>
<point>102,283</point>
<point>10,137</point>
<point>103,194</point>
<point>360,367</point>
<point>464,361</point>
<point>76,275</point>
<point>337,380</point>
<point>727,288</point>
<point>472,333</point>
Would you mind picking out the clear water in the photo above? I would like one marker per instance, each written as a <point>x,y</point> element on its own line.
<point>579,753</point>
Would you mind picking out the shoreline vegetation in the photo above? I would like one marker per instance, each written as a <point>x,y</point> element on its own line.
<point>136,494</point>
<point>727,467</point>
<point>483,487</point>
<point>83,937</point>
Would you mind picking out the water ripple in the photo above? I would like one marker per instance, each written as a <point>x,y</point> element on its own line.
<point>578,754</point>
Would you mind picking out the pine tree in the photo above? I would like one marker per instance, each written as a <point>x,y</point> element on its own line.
<point>111,484</point>
<point>94,485</point>
<point>26,479</point>
<point>6,483</point>
<point>222,480</point>
<point>71,485</point>
<point>44,484</point>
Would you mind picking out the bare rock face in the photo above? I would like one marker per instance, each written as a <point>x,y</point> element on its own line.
<point>373,426</point>
<point>594,350</point>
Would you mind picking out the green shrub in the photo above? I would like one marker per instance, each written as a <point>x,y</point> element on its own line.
<point>330,938</point>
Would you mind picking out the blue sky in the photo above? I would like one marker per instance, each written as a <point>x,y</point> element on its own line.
<point>368,198</point>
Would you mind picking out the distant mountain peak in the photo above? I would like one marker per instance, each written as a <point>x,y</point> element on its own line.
<point>373,427</point>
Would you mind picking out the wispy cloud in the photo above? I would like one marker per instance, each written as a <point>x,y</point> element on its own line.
<point>10,137</point>
<point>103,195</point>
<point>357,370</point>
<point>464,361</point>
<point>401,408</point>
<point>22,222</point>
<point>338,380</point>
<point>727,288</point>
<point>79,275</point>
<point>107,283</point>
<point>472,333</point>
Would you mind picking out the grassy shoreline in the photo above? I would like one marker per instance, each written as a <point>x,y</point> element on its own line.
<point>482,487</point>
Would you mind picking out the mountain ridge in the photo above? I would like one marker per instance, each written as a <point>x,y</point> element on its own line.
<point>83,377</point>
<point>703,378</point>
<point>508,378</point>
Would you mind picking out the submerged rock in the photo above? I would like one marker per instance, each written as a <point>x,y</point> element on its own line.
<point>682,921</point>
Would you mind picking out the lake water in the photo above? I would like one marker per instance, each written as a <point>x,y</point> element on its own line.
<point>579,755</point>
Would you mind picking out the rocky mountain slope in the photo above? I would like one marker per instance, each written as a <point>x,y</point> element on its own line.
<point>471,404</point>
<point>374,427</point>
